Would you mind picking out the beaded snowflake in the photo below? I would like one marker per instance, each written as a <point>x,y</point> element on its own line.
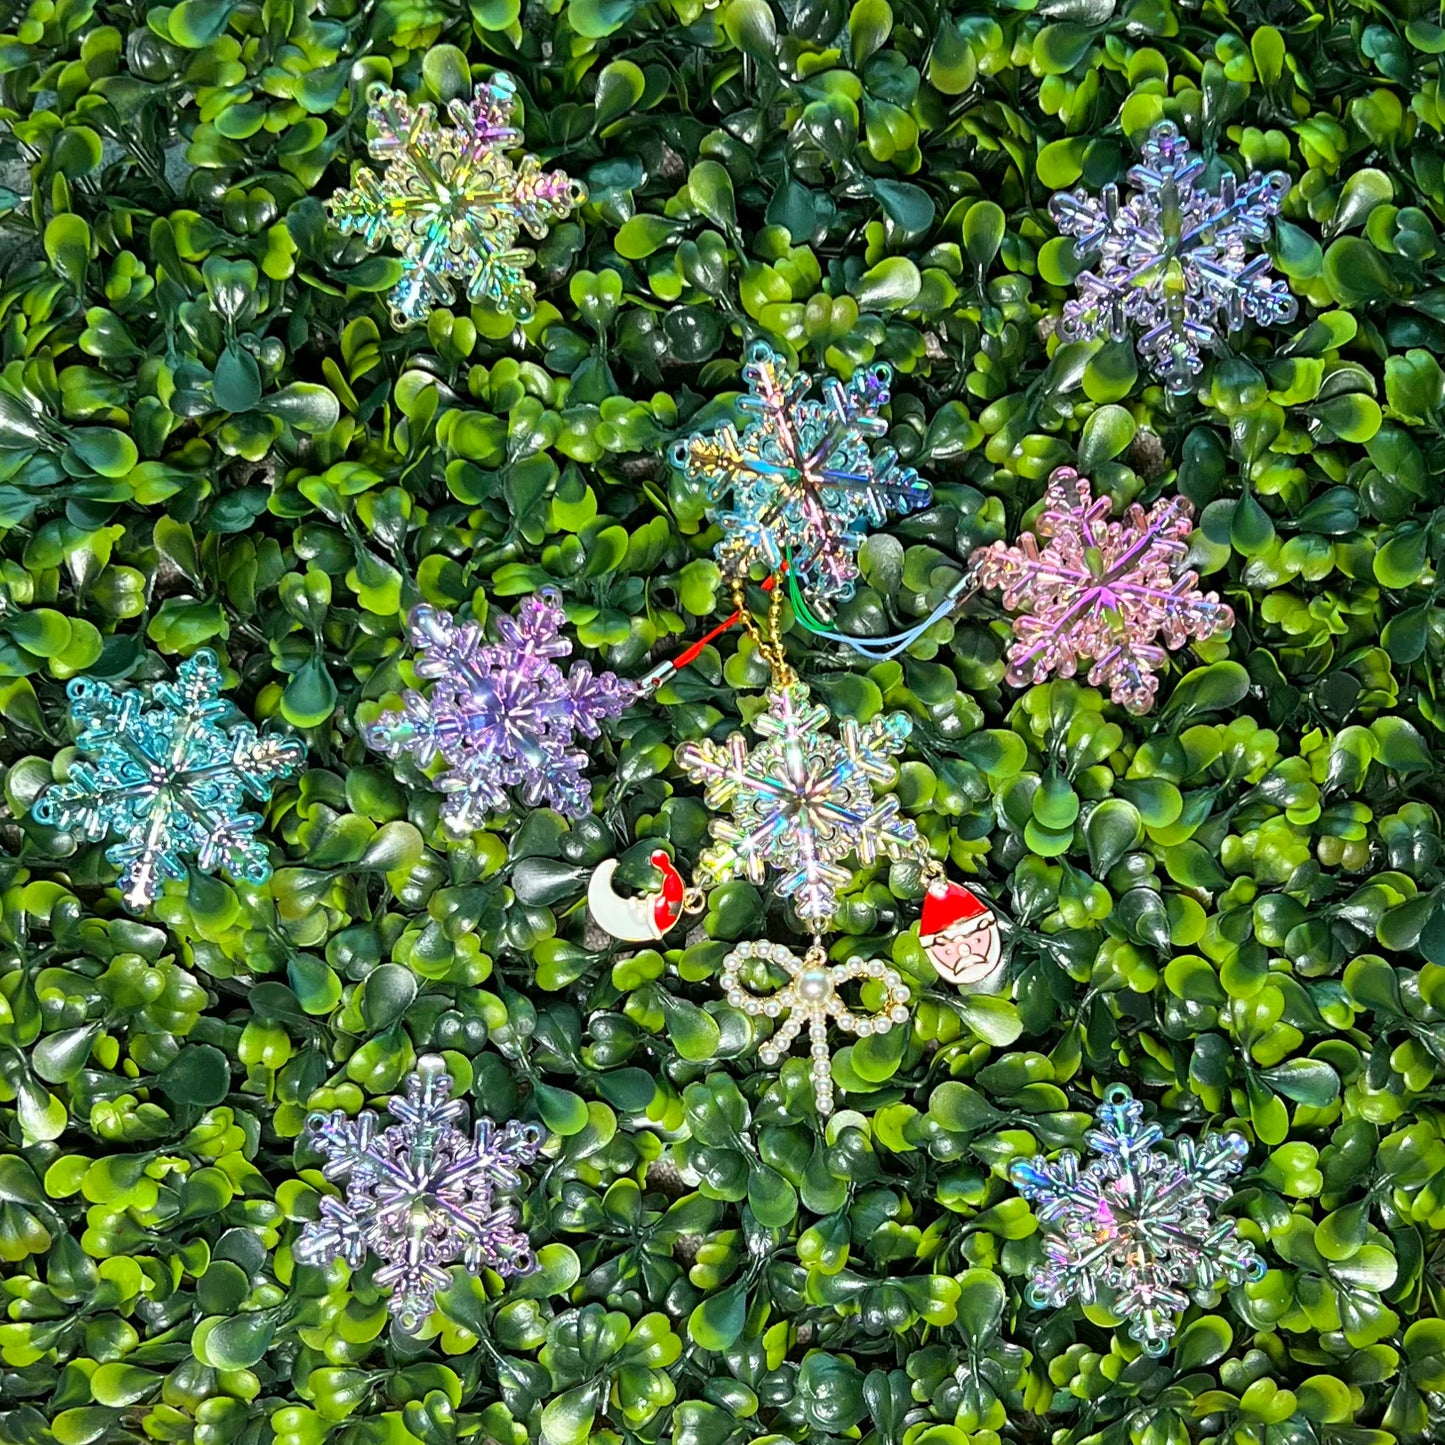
<point>1174,259</point>
<point>1100,591</point>
<point>1137,1221</point>
<point>170,779</point>
<point>451,201</point>
<point>801,480</point>
<point>812,996</point>
<point>420,1194</point>
<point>501,715</point>
<point>802,800</point>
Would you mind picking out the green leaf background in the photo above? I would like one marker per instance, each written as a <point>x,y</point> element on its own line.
<point>210,436</point>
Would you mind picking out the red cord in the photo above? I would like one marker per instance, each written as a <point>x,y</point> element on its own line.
<point>691,654</point>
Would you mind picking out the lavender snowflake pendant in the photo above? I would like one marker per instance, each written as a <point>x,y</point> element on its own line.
<point>802,482</point>
<point>170,779</point>
<point>501,715</point>
<point>420,1194</point>
<point>1137,1221</point>
<point>1173,262</point>
<point>1100,592</point>
<point>802,801</point>
<point>451,201</point>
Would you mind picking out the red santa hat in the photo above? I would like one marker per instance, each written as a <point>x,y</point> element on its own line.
<point>952,905</point>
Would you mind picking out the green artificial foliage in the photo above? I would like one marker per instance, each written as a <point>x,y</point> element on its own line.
<point>212,437</point>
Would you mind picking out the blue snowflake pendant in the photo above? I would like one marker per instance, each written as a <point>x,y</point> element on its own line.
<point>1173,262</point>
<point>170,779</point>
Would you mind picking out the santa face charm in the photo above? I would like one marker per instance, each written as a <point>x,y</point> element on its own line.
<point>960,936</point>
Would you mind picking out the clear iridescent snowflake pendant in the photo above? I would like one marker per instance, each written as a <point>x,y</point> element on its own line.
<point>802,482</point>
<point>501,715</point>
<point>1100,592</point>
<point>169,778</point>
<point>1173,262</point>
<point>1135,1227</point>
<point>420,1194</point>
<point>812,997</point>
<point>802,801</point>
<point>450,200</point>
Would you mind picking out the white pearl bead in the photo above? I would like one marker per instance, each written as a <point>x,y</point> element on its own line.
<point>814,984</point>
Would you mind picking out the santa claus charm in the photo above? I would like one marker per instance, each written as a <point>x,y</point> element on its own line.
<point>644,918</point>
<point>960,936</point>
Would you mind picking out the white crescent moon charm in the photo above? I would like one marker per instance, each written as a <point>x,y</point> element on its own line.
<point>636,920</point>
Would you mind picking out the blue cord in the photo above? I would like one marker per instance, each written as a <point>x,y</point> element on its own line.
<point>884,649</point>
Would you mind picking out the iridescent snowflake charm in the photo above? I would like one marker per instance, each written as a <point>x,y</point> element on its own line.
<point>451,201</point>
<point>812,996</point>
<point>501,715</point>
<point>1100,591</point>
<point>802,800</point>
<point>801,482</point>
<point>1173,261</point>
<point>1137,1222</point>
<point>171,779</point>
<point>420,1194</point>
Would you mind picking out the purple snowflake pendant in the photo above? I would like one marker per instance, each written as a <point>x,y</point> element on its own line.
<point>1101,592</point>
<point>1177,265</point>
<point>501,715</point>
<point>421,1193</point>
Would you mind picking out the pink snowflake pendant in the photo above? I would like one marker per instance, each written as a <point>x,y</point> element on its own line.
<point>1106,593</point>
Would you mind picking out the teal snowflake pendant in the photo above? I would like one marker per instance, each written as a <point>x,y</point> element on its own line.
<point>169,779</point>
<point>452,202</point>
<point>802,483</point>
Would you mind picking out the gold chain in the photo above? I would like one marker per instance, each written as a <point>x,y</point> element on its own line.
<point>769,645</point>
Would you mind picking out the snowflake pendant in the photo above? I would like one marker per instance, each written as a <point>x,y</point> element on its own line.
<point>451,201</point>
<point>501,714</point>
<point>802,480</point>
<point>812,996</point>
<point>1100,591</point>
<point>1136,1221</point>
<point>170,779</point>
<point>1174,258</point>
<point>802,800</point>
<point>420,1194</point>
